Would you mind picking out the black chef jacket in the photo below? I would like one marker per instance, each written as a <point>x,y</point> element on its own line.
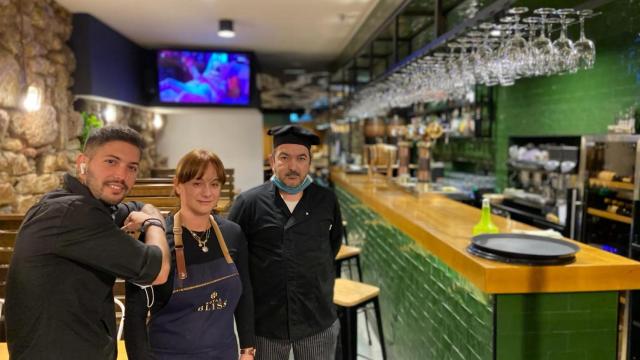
<point>291,258</point>
<point>68,252</point>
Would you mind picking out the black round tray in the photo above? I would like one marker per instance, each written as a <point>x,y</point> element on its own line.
<point>523,249</point>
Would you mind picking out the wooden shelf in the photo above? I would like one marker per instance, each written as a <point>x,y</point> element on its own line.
<point>608,215</point>
<point>611,184</point>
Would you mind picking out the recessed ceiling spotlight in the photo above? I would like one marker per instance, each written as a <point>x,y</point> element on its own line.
<point>225,28</point>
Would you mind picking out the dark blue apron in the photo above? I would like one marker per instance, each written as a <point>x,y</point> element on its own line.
<point>197,322</point>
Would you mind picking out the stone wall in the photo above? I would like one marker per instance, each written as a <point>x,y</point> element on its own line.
<point>35,148</point>
<point>138,118</point>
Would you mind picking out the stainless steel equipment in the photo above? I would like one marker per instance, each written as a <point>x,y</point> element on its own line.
<point>610,182</point>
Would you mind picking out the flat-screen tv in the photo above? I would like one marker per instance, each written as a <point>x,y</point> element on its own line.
<point>200,77</point>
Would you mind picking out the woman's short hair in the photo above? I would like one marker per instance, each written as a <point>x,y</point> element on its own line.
<point>194,163</point>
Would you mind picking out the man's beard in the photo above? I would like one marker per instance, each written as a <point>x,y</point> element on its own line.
<point>98,192</point>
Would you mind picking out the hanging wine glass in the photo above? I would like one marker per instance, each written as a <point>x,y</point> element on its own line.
<point>517,47</point>
<point>464,61</point>
<point>484,56</point>
<point>585,48</point>
<point>475,39</point>
<point>534,25</point>
<point>501,64</point>
<point>543,50</point>
<point>565,52</point>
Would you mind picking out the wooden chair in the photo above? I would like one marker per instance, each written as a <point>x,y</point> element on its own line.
<point>7,241</point>
<point>154,180</point>
<point>10,221</point>
<point>163,172</point>
<point>349,296</point>
<point>167,203</point>
<point>151,189</point>
<point>8,238</point>
<point>159,193</point>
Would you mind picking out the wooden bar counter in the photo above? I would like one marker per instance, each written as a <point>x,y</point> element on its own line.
<point>437,296</point>
<point>443,227</point>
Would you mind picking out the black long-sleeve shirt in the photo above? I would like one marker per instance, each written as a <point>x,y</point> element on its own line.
<point>291,258</point>
<point>135,330</point>
<point>68,253</point>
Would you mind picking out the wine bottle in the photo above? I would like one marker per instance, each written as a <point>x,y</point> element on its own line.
<point>485,226</point>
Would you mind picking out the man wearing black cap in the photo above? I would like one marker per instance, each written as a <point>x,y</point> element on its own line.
<point>294,230</point>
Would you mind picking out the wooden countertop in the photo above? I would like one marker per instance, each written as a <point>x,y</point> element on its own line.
<point>443,227</point>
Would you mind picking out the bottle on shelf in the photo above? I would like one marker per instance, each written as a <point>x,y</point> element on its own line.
<point>485,226</point>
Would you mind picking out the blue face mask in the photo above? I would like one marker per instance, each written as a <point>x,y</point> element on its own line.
<point>291,190</point>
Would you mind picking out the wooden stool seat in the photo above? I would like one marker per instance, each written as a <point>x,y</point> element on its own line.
<point>350,296</point>
<point>349,293</point>
<point>347,252</point>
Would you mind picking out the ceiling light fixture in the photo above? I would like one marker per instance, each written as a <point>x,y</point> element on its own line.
<point>225,29</point>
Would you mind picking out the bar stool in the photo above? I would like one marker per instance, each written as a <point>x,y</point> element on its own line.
<point>349,296</point>
<point>348,253</point>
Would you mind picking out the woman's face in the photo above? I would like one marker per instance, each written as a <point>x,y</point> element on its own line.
<point>200,195</point>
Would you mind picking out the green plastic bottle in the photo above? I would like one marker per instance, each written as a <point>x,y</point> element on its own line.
<point>485,226</point>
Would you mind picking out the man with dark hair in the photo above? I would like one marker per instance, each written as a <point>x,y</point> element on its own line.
<point>113,133</point>
<point>70,248</point>
<point>294,231</point>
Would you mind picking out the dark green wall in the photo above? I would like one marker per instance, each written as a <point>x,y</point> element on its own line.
<point>566,326</point>
<point>581,103</point>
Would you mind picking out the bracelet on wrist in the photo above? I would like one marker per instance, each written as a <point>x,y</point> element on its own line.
<point>151,222</point>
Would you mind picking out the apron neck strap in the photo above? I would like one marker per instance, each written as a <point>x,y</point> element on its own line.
<point>177,239</point>
<point>221,242</point>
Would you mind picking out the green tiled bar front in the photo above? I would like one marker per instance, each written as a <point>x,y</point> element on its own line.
<point>429,311</point>
<point>557,326</point>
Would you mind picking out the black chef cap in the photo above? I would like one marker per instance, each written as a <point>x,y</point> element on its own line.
<point>293,134</point>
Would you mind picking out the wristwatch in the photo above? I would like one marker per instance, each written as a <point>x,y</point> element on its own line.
<point>249,351</point>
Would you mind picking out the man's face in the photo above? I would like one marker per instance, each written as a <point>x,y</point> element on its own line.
<point>290,163</point>
<point>110,170</point>
<point>200,196</point>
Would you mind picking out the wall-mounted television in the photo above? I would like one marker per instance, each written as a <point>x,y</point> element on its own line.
<point>204,77</point>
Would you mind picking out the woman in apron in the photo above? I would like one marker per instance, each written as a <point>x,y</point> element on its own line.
<point>192,314</point>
